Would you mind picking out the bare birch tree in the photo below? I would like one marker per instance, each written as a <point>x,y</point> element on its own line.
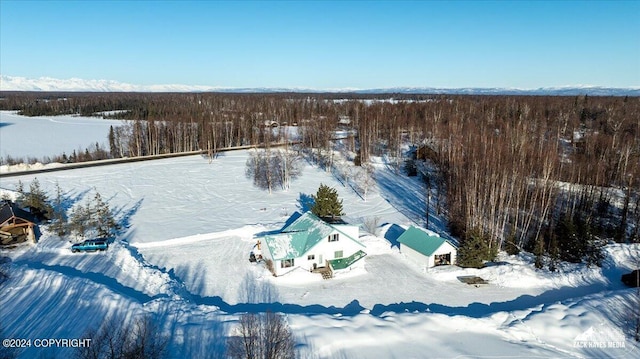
<point>261,336</point>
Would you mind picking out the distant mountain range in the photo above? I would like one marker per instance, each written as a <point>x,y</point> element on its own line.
<point>14,83</point>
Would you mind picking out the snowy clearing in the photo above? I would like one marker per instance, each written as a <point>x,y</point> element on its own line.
<point>184,258</point>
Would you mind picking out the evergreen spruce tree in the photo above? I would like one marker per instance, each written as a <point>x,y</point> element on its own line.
<point>32,198</point>
<point>113,149</point>
<point>591,247</point>
<point>81,220</point>
<point>59,223</point>
<point>37,200</point>
<point>510,245</point>
<point>102,218</point>
<point>94,219</point>
<point>20,198</point>
<point>554,254</point>
<point>538,251</point>
<point>594,253</point>
<point>327,205</point>
<point>576,241</point>
<point>474,250</point>
<point>569,242</point>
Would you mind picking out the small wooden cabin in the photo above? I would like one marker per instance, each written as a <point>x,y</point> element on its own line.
<point>16,224</point>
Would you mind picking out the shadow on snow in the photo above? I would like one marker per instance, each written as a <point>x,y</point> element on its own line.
<point>407,196</point>
<point>261,296</point>
<point>99,278</point>
<point>393,233</point>
<point>480,310</point>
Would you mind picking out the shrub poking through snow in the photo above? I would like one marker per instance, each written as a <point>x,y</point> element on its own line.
<point>269,264</point>
<point>371,225</point>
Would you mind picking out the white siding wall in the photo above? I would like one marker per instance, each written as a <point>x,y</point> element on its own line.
<point>277,265</point>
<point>327,249</point>
<point>322,251</point>
<point>428,262</point>
<point>444,249</point>
<point>350,230</point>
<point>416,257</point>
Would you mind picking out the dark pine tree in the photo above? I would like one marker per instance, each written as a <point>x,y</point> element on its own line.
<point>59,220</point>
<point>327,205</point>
<point>572,247</point>
<point>554,254</point>
<point>113,148</point>
<point>474,250</point>
<point>538,251</point>
<point>37,201</point>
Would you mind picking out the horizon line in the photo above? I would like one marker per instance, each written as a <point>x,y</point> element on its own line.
<point>77,84</point>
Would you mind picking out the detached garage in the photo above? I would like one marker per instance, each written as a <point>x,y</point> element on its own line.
<point>426,250</point>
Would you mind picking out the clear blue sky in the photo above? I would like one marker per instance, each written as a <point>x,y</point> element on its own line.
<point>323,44</point>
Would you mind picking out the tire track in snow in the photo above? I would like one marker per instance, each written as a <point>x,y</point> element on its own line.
<point>180,241</point>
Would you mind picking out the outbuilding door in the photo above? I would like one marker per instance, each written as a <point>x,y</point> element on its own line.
<point>442,259</point>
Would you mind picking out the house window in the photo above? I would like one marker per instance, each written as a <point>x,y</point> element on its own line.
<point>333,237</point>
<point>311,257</point>
<point>286,263</point>
<point>338,254</point>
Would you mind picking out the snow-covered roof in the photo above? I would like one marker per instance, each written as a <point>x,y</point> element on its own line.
<point>10,210</point>
<point>300,236</point>
<point>420,241</point>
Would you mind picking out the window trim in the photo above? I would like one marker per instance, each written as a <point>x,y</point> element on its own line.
<point>287,263</point>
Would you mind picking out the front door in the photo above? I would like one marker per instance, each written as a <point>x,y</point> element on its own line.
<point>320,261</point>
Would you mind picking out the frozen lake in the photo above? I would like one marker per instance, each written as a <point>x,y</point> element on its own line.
<point>22,136</point>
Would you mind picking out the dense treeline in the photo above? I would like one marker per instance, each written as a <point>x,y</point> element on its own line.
<point>511,170</point>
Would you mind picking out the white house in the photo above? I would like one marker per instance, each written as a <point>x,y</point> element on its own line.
<point>311,243</point>
<point>426,250</point>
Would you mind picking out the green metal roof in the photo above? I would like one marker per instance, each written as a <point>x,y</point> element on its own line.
<point>342,263</point>
<point>420,241</point>
<point>300,236</point>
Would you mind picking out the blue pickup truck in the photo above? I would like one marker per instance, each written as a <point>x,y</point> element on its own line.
<point>90,245</point>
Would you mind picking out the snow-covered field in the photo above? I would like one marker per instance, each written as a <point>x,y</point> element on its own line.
<point>183,258</point>
<point>22,137</point>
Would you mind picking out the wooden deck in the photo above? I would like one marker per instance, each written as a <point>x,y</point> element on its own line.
<point>326,271</point>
